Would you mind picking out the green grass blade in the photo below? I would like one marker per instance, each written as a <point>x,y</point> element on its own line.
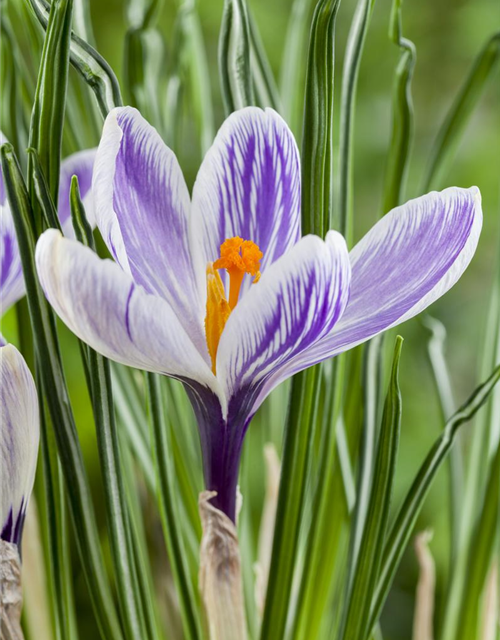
<point>56,394</point>
<point>234,56</point>
<point>372,355</point>
<point>194,60</point>
<point>53,512</point>
<point>402,120</point>
<point>45,202</point>
<point>9,100</point>
<point>352,61</point>
<point>47,116</point>
<point>317,139</point>
<point>447,405</point>
<point>140,546</point>
<point>403,526</point>
<point>295,466</point>
<point>134,421</point>
<point>327,529</point>
<point>144,53</point>
<point>486,537</point>
<point>188,602</point>
<point>93,68</point>
<point>460,112</point>
<point>262,75</point>
<point>292,65</point>
<point>355,626</point>
<point>484,442</point>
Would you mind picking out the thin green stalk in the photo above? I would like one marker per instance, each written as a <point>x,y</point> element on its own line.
<point>190,67</point>
<point>54,519</point>
<point>292,67</point>
<point>328,524</point>
<point>93,68</point>
<point>234,56</point>
<point>9,100</point>
<point>47,117</point>
<point>56,394</point>
<point>262,75</point>
<point>447,405</point>
<point>402,120</point>
<point>355,626</point>
<point>317,139</point>
<point>370,377</point>
<point>134,421</point>
<point>352,61</point>
<point>142,561</point>
<point>403,526</point>
<point>144,53</point>
<point>188,602</point>
<point>451,131</point>
<point>485,439</point>
<point>294,472</point>
<point>486,537</point>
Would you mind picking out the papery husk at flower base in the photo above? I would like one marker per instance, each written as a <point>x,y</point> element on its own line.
<point>220,578</point>
<point>11,600</point>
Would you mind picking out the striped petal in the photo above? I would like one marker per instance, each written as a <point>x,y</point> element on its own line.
<point>409,259</point>
<point>19,438</point>
<point>298,301</point>
<point>248,186</point>
<point>11,274</point>
<point>104,307</point>
<point>141,206</point>
<point>81,165</point>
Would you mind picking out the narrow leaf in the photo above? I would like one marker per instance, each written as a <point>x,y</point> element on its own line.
<point>169,512</point>
<point>234,56</point>
<point>405,521</point>
<point>294,471</point>
<point>402,119</point>
<point>95,71</point>
<point>47,117</point>
<point>317,140</point>
<point>352,61</point>
<point>368,562</point>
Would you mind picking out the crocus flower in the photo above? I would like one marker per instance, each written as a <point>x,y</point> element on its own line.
<point>220,291</point>
<point>19,437</point>
<point>11,275</point>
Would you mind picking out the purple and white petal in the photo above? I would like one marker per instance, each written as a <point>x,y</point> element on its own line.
<point>19,438</point>
<point>142,206</point>
<point>248,186</point>
<point>12,286</point>
<point>298,301</point>
<point>409,259</point>
<point>81,165</point>
<point>105,308</point>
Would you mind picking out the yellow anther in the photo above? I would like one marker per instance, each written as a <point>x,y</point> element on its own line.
<point>218,311</point>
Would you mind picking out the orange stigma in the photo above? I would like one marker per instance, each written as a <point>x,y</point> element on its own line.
<point>238,257</point>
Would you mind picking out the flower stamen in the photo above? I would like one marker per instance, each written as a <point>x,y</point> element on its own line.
<point>238,257</point>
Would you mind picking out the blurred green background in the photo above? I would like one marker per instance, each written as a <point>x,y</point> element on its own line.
<point>448,34</point>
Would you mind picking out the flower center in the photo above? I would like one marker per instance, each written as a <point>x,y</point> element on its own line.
<point>238,257</point>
